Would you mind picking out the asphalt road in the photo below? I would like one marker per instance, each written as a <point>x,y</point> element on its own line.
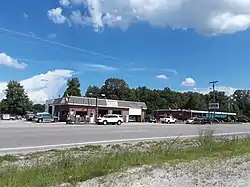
<point>25,137</point>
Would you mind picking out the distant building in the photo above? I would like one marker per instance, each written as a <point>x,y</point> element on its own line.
<point>86,106</point>
<point>184,114</point>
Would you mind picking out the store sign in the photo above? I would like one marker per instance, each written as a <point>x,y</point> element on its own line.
<point>213,106</point>
<point>134,112</point>
<point>111,103</point>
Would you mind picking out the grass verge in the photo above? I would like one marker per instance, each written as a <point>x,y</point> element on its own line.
<point>73,170</point>
<point>8,158</point>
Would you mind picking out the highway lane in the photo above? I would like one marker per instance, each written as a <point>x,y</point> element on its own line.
<point>23,136</point>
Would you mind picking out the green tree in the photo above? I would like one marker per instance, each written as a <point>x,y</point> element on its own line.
<point>115,88</point>
<point>17,101</point>
<point>73,87</point>
<point>195,101</point>
<point>38,108</point>
<point>92,91</point>
<point>3,106</point>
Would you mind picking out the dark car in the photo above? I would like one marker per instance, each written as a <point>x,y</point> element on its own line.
<point>150,119</point>
<point>45,117</point>
<point>201,120</point>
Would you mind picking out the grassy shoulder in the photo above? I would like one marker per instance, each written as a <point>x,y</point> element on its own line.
<point>71,169</point>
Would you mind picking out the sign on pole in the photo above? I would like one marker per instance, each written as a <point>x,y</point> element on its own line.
<point>213,106</point>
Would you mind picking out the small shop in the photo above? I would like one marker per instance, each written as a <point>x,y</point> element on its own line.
<point>86,106</point>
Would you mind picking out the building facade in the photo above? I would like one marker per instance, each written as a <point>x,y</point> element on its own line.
<point>93,107</point>
<point>183,114</point>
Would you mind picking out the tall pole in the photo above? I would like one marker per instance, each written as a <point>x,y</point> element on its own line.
<point>96,107</point>
<point>213,85</point>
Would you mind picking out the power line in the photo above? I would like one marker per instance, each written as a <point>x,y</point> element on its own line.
<point>60,44</point>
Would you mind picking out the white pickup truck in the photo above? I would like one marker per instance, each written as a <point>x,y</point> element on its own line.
<point>168,119</point>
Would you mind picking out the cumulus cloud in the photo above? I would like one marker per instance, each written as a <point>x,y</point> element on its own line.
<point>10,62</point>
<point>206,16</point>
<point>43,86</point>
<point>162,77</point>
<point>64,2</point>
<point>55,15</point>
<point>188,82</point>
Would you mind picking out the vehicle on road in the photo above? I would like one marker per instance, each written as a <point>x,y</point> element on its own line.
<point>29,116</point>
<point>45,118</point>
<point>12,117</point>
<point>5,116</point>
<point>204,120</point>
<point>110,119</point>
<point>150,119</point>
<point>201,120</point>
<point>169,119</point>
<point>191,120</point>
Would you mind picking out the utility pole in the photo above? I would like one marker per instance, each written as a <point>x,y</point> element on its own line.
<point>213,86</point>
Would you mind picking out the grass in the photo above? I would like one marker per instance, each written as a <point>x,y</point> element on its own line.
<point>73,170</point>
<point>9,158</point>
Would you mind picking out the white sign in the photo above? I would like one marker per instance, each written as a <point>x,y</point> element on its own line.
<point>134,111</point>
<point>111,103</point>
<point>213,106</point>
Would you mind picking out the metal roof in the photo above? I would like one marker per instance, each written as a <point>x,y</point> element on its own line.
<point>196,111</point>
<point>89,101</point>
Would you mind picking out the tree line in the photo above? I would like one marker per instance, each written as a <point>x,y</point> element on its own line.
<point>17,101</point>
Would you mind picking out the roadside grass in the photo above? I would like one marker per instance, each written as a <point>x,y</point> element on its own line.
<point>69,169</point>
<point>9,158</point>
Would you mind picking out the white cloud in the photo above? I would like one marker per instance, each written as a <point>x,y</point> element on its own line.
<point>188,82</point>
<point>55,15</point>
<point>215,16</point>
<point>10,62</point>
<point>227,89</point>
<point>64,2</point>
<point>162,77</point>
<point>43,86</point>
<point>25,15</point>
<point>99,67</point>
<point>68,2</point>
<point>171,71</point>
<point>77,18</point>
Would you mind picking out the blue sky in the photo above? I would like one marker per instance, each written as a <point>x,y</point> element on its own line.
<point>159,44</point>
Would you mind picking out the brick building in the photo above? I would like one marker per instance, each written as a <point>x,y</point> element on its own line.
<point>87,106</point>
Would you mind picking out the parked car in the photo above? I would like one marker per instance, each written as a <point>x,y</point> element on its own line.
<point>45,117</point>
<point>204,120</point>
<point>29,117</point>
<point>150,119</point>
<point>191,120</point>
<point>110,119</point>
<point>12,117</point>
<point>169,119</point>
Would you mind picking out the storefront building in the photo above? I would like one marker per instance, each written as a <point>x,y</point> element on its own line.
<point>92,107</point>
<point>184,114</point>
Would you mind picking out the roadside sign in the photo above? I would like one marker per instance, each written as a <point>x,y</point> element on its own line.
<point>213,106</point>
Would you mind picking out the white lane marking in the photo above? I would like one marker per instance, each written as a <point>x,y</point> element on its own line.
<point>112,141</point>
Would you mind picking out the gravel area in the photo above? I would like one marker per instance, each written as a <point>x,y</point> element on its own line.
<point>234,172</point>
